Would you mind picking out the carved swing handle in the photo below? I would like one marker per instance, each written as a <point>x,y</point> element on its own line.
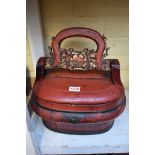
<point>78,32</point>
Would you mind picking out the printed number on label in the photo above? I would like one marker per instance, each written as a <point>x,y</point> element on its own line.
<point>74,89</point>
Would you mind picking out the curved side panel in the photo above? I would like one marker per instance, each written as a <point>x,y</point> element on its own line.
<point>77,117</point>
<point>77,107</point>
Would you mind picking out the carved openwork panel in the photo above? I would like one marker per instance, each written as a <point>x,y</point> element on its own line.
<point>78,60</point>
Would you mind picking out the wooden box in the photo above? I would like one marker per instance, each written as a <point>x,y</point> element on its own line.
<point>80,92</point>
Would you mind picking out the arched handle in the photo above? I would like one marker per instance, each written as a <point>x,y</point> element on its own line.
<point>78,32</point>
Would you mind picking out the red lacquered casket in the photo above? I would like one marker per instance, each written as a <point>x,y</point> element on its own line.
<point>78,91</point>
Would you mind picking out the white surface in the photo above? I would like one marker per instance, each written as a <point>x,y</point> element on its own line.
<point>32,147</point>
<point>113,141</point>
<point>30,150</point>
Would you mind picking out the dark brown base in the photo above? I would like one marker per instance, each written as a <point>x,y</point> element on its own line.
<point>79,128</point>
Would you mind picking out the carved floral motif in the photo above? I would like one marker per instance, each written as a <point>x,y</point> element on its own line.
<point>78,60</point>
